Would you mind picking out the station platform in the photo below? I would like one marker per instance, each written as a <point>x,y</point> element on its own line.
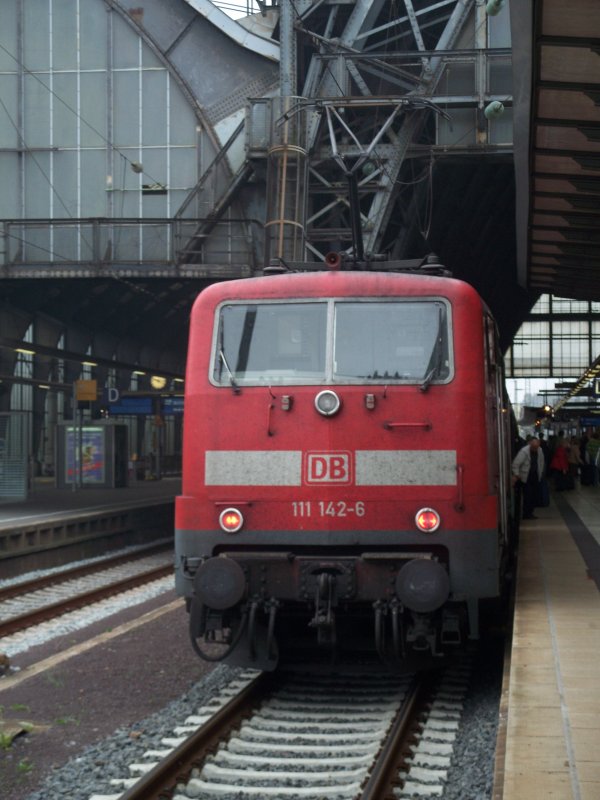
<point>55,525</point>
<point>549,737</point>
<point>46,501</point>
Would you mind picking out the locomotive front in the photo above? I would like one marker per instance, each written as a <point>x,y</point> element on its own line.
<point>343,469</point>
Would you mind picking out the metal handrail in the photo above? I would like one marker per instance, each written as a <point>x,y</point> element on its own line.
<point>102,242</point>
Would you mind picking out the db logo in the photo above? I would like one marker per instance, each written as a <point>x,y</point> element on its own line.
<point>328,468</point>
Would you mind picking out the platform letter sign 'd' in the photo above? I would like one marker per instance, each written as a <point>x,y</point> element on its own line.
<point>328,468</point>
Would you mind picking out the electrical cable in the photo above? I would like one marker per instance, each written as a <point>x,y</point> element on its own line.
<point>119,279</point>
<point>33,158</point>
<point>133,164</point>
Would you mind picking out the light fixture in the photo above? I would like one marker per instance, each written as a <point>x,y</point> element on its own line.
<point>427,520</point>
<point>138,372</point>
<point>89,364</point>
<point>368,168</point>
<point>493,7</point>
<point>25,351</point>
<point>231,520</point>
<point>327,403</point>
<point>158,382</point>
<point>493,110</point>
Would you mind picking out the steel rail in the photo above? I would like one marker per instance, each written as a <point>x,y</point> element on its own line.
<point>160,781</point>
<point>55,578</point>
<point>391,758</point>
<point>35,617</point>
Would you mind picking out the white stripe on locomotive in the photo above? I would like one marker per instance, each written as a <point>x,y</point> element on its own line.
<point>371,468</point>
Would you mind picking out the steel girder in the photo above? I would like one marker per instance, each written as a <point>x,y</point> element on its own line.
<point>368,142</point>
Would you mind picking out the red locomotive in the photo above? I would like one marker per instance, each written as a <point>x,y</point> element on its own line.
<point>346,465</point>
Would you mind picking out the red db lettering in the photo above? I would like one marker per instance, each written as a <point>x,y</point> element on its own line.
<point>338,468</point>
<point>328,468</point>
<point>317,468</point>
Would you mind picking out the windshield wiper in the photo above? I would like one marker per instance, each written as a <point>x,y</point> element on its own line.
<point>428,378</point>
<point>436,352</point>
<point>232,381</point>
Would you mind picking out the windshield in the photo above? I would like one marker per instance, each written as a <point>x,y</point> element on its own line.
<point>393,341</point>
<point>263,343</point>
<point>332,341</point>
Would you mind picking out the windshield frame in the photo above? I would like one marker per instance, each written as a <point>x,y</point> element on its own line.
<point>329,378</point>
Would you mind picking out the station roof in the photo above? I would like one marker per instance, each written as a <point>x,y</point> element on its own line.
<point>556,67</point>
<point>514,229</point>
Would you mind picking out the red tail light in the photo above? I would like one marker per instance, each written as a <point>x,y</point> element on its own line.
<point>427,520</point>
<point>231,520</point>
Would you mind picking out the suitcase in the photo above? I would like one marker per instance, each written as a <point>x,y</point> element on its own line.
<point>543,494</point>
<point>564,482</point>
<point>587,475</point>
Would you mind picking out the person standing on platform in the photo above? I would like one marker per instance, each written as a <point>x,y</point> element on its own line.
<point>575,460</point>
<point>545,451</point>
<point>593,456</point>
<point>559,466</point>
<point>527,470</point>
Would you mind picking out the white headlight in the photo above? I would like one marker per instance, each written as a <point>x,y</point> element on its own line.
<point>327,403</point>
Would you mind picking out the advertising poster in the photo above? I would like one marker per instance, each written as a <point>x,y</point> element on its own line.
<point>93,453</point>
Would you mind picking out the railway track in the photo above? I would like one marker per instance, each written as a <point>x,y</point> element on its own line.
<point>359,736</point>
<point>29,603</point>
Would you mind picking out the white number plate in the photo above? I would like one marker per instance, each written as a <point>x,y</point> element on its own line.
<point>324,508</point>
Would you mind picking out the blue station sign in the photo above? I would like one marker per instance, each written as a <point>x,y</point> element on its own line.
<point>145,405</point>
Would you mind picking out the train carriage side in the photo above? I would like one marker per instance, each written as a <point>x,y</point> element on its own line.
<point>345,464</point>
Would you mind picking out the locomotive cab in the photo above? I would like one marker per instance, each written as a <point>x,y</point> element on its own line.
<point>346,469</point>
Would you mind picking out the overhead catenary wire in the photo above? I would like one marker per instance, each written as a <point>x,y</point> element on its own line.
<point>41,169</point>
<point>133,164</point>
<point>33,158</point>
<point>425,226</point>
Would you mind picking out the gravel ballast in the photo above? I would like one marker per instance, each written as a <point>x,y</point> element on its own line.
<point>90,771</point>
<point>126,676</point>
<point>470,776</point>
